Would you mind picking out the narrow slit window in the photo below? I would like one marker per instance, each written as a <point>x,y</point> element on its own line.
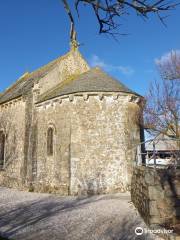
<point>2,148</point>
<point>50,141</point>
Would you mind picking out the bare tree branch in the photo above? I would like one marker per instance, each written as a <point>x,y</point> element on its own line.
<point>170,67</point>
<point>108,12</point>
<point>162,110</point>
<point>73,38</point>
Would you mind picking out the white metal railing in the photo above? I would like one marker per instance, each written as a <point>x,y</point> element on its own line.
<point>150,158</point>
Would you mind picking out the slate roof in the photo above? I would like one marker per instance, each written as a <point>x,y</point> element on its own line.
<point>26,82</point>
<point>94,80</point>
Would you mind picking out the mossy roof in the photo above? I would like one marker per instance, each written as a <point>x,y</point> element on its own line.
<point>94,80</point>
<point>24,84</point>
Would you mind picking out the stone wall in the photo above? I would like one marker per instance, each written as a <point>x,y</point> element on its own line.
<point>12,123</point>
<point>156,195</point>
<point>94,139</point>
<point>95,135</point>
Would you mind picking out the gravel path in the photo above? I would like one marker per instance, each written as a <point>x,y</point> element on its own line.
<point>35,216</point>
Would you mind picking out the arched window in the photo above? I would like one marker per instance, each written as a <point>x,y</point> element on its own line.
<point>2,148</point>
<point>50,141</point>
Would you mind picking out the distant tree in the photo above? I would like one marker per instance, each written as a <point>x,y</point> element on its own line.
<point>108,12</point>
<point>170,66</point>
<point>162,110</point>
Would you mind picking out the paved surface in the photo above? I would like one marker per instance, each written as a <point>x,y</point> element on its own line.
<point>34,216</point>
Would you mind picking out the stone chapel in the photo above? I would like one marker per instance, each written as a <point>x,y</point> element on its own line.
<point>70,129</point>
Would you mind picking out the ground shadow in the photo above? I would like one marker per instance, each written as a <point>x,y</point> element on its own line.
<point>169,176</point>
<point>22,215</point>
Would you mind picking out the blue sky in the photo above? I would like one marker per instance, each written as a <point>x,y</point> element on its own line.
<point>32,33</point>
